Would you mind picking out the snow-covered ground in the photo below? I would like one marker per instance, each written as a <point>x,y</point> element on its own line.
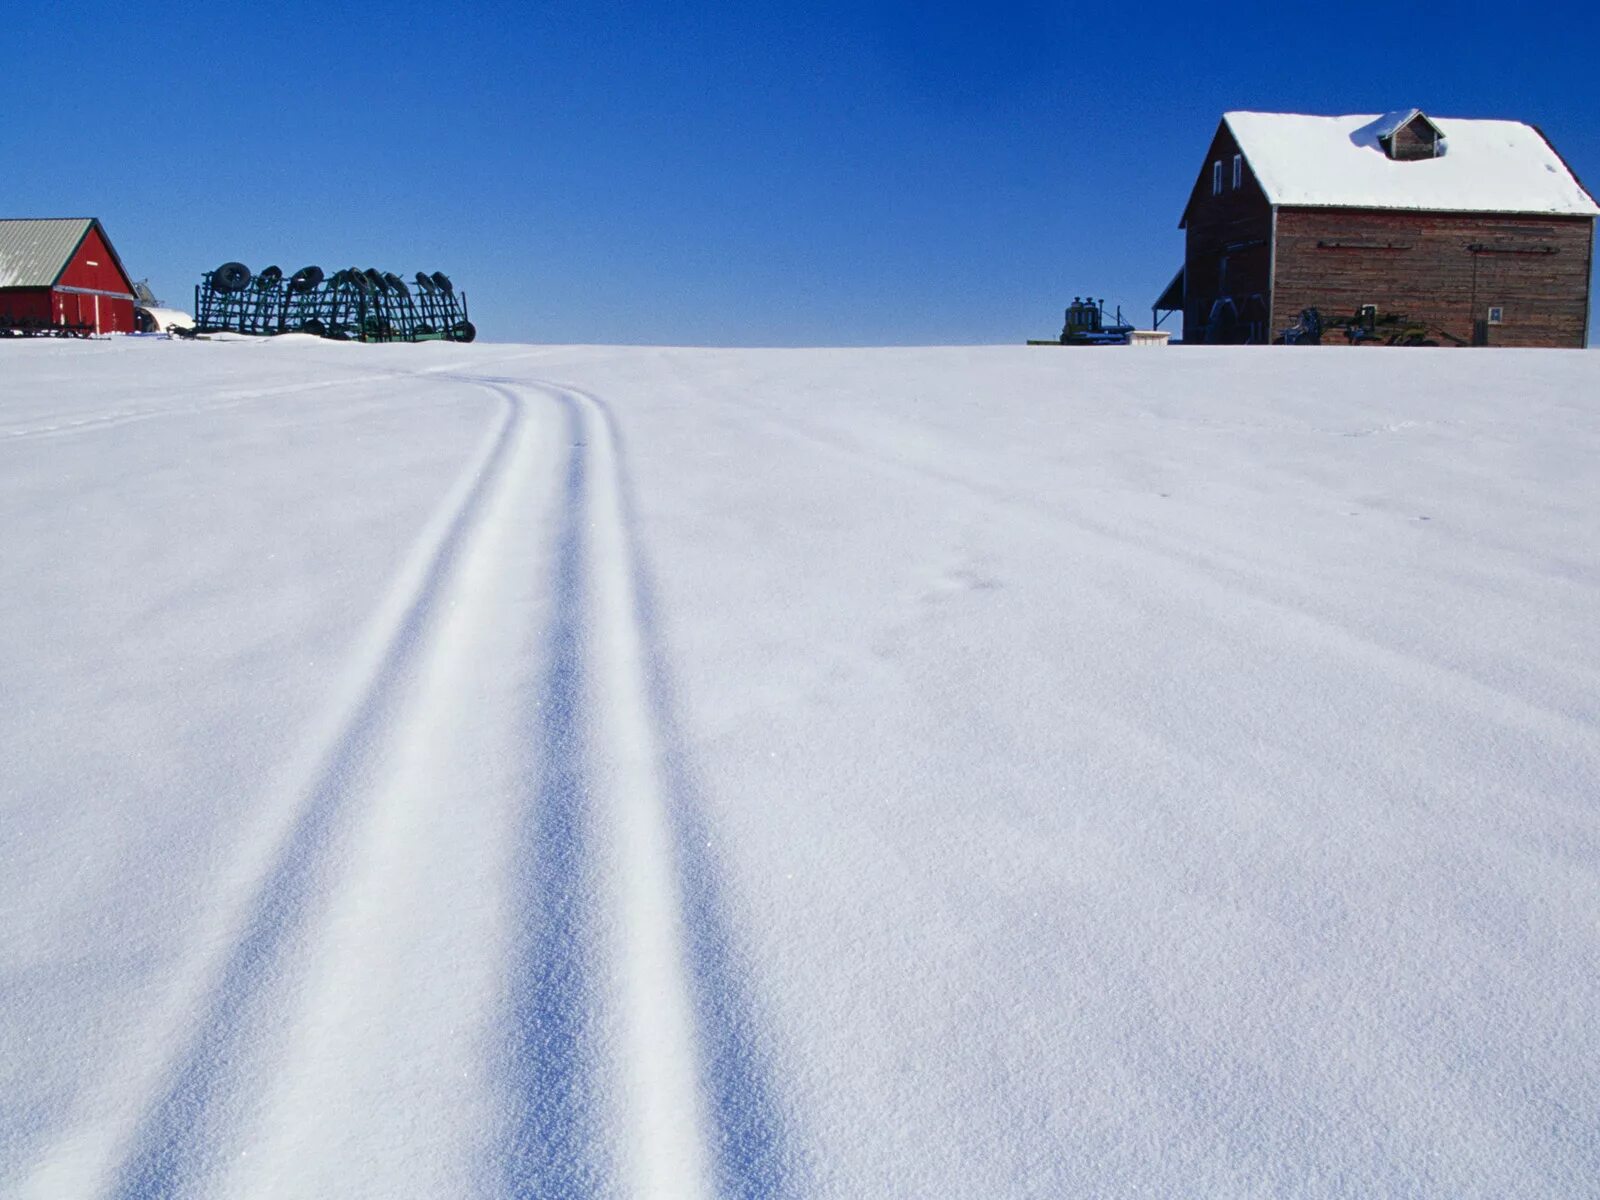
<point>492,770</point>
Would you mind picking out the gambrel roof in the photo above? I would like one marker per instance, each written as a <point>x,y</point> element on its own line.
<point>34,252</point>
<point>1338,162</point>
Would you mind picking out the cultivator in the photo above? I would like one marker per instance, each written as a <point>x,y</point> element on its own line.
<point>351,305</point>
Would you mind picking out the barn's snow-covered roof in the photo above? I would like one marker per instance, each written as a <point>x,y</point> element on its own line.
<point>1391,123</point>
<point>34,252</point>
<point>1487,166</point>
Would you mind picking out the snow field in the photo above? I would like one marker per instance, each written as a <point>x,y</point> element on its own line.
<point>587,771</point>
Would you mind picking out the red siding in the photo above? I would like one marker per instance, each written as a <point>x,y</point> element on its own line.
<point>26,304</point>
<point>92,290</point>
<point>94,266</point>
<point>113,315</point>
<point>103,314</point>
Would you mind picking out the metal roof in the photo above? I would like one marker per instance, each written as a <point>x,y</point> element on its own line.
<point>33,253</point>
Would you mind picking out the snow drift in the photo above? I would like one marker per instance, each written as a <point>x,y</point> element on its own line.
<point>498,770</point>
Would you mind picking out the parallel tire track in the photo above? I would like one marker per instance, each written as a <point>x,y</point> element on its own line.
<point>169,1147</point>
<point>554,1147</point>
<point>634,1061</point>
<point>693,1099</point>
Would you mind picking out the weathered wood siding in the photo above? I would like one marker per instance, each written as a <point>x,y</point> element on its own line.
<point>1412,141</point>
<point>1443,269</point>
<point>1228,240</point>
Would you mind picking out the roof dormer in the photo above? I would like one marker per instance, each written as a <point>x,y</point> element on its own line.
<point>1408,134</point>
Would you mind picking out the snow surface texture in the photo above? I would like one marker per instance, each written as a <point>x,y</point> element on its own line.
<point>442,771</point>
<point>1488,166</point>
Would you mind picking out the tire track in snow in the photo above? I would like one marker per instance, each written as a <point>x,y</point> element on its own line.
<point>391,1019</point>
<point>635,1063</point>
<point>171,1144</point>
<point>692,1100</point>
<point>554,1143</point>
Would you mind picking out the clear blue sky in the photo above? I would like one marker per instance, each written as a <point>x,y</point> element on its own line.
<point>715,174</point>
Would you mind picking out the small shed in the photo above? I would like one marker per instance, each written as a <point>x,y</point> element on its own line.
<point>1477,232</point>
<point>63,271</point>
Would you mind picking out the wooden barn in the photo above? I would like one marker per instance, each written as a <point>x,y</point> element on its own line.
<point>1455,232</point>
<point>63,272</point>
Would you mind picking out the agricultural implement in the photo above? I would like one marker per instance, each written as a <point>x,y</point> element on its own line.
<point>1088,324</point>
<point>31,327</point>
<point>350,305</point>
<point>1365,327</point>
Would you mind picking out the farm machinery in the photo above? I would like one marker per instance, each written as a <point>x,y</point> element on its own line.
<point>350,305</point>
<point>1365,327</point>
<point>1086,323</point>
<point>30,327</point>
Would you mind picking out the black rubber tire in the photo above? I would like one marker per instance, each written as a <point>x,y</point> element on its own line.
<point>230,277</point>
<point>422,331</point>
<point>465,331</point>
<point>359,281</point>
<point>395,284</point>
<point>269,279</point>
<point>442,282</point>
<point>375,278</point>
<point>305,279</point>
<point>425,282</point>
<point>314,327</point>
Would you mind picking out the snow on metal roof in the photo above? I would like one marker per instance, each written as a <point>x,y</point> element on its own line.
<point>1487,166</point>
<point>33,252</point>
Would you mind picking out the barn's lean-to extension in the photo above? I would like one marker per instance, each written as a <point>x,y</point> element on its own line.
<point>1471,232</point>
<point>62,272</point>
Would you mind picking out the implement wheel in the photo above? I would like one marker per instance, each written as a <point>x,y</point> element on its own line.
<point>230,277</point>
<point>305,279</point>
<point>464,331</point>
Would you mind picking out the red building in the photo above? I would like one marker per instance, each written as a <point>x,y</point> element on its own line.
<point>1460,232</point>
<point>63,271</point>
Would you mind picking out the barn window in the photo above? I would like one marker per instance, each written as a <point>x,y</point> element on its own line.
<point>1238,171</point>
<point>1216,178</point>
<point>1497,315</point>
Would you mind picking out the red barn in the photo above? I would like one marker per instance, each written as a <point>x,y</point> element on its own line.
<point>63,271</point>
<point>1460,232</point>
